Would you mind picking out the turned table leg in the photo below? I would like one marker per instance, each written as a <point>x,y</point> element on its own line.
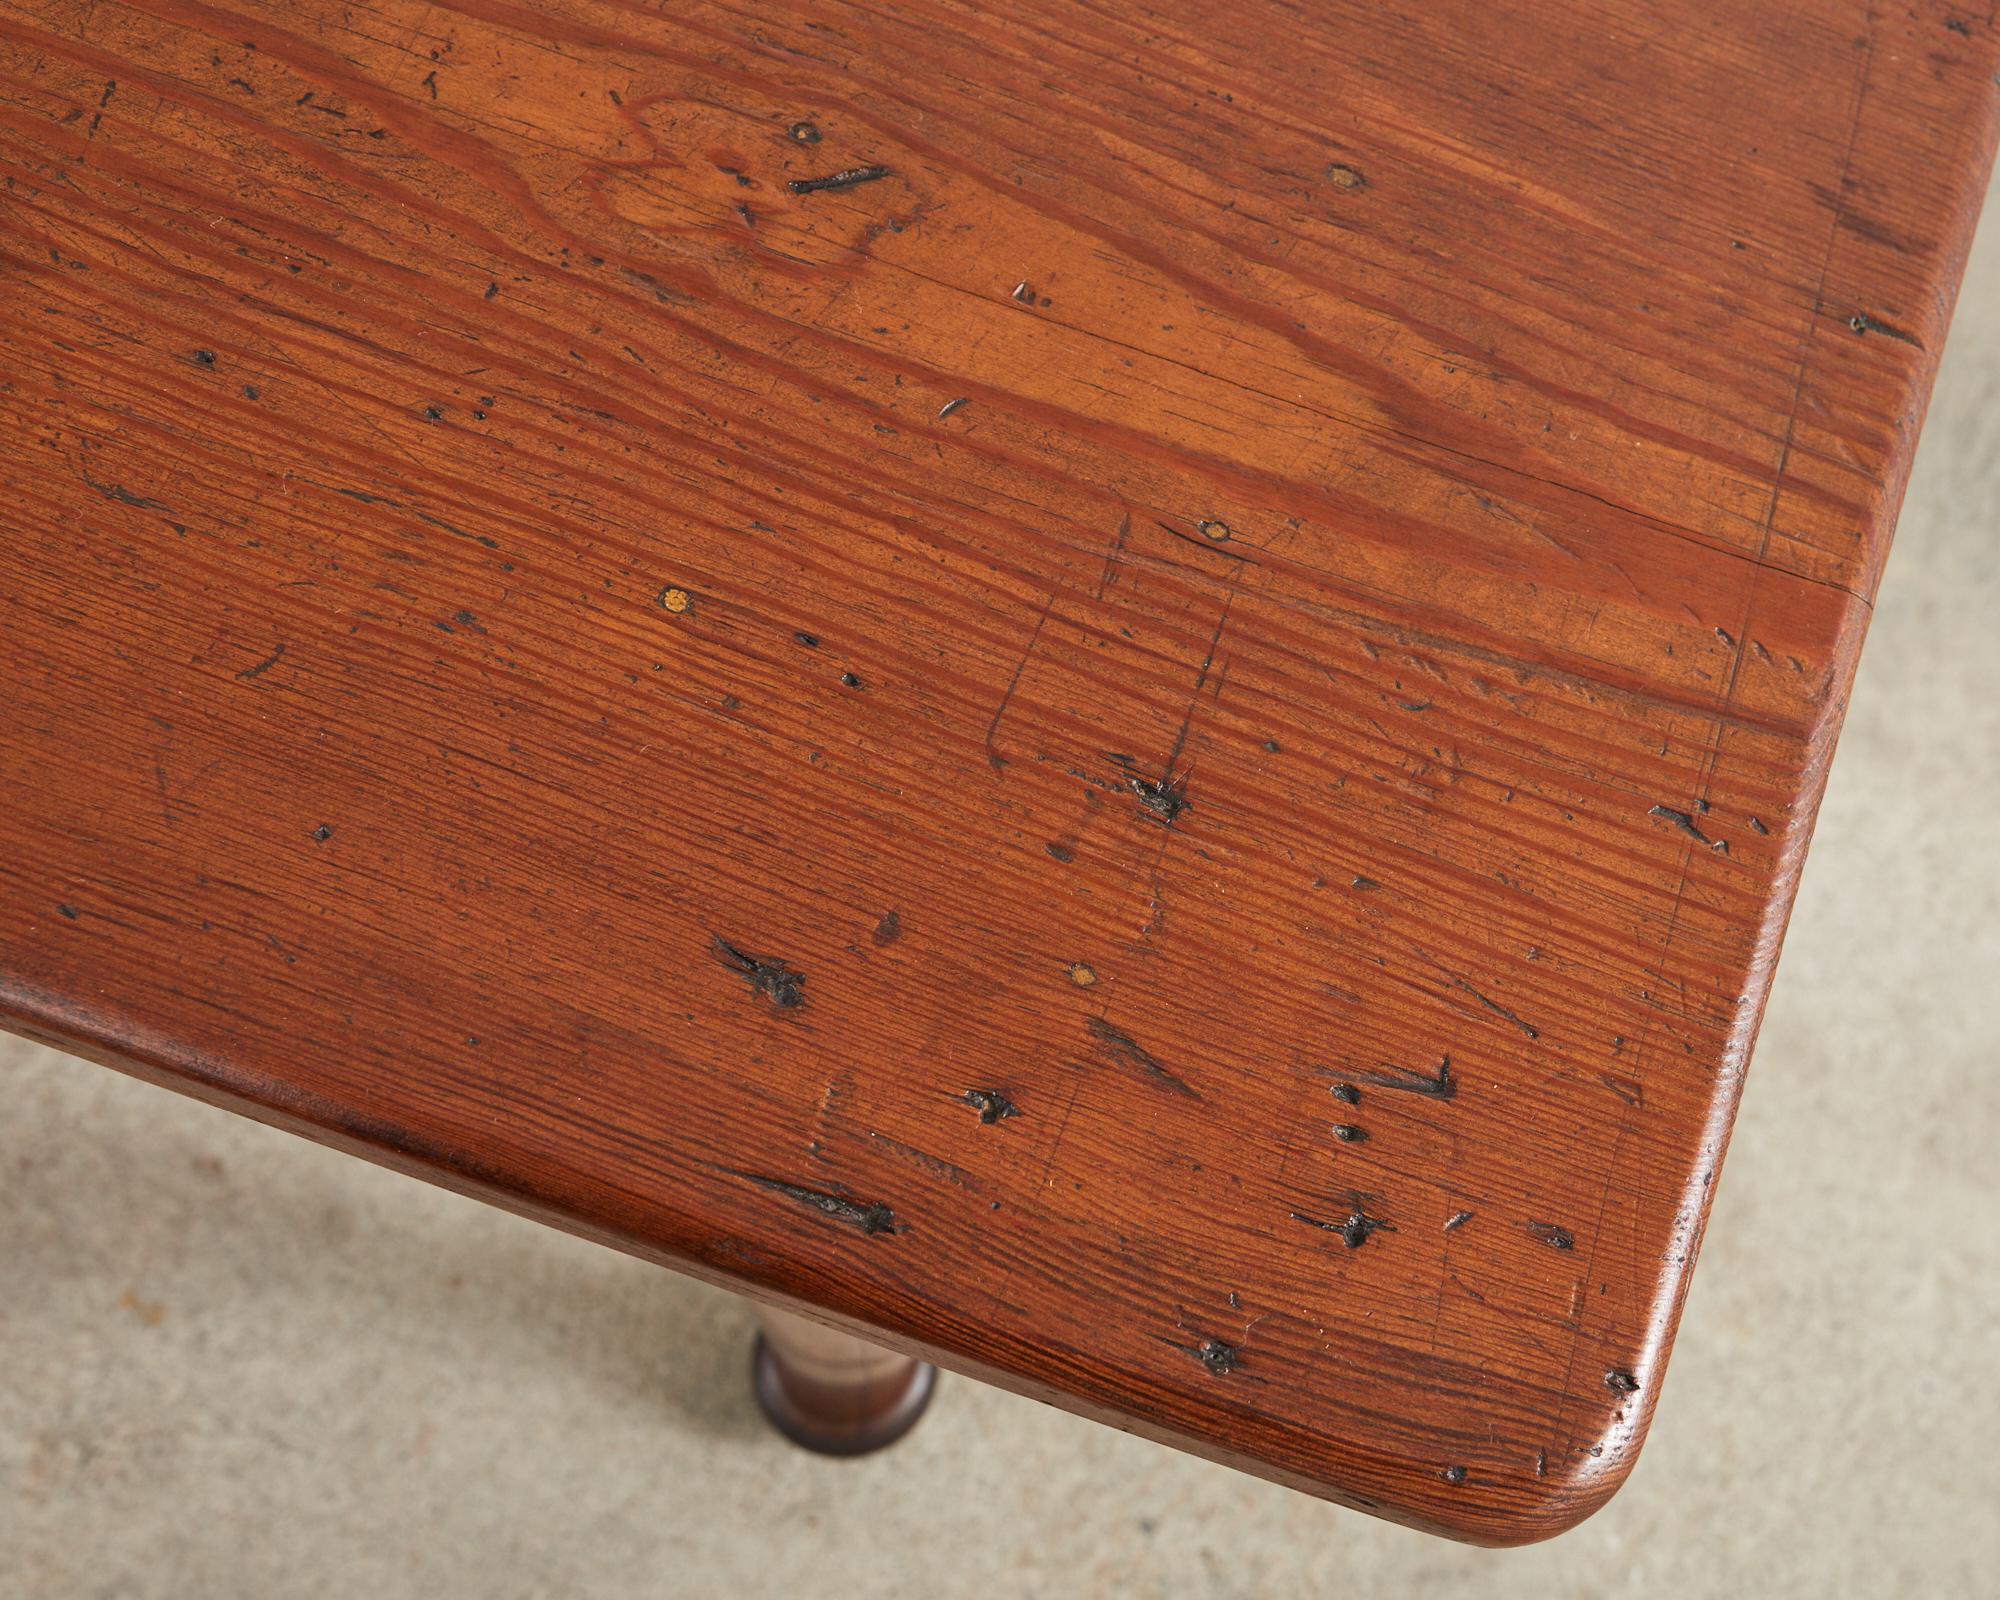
<point>833,1393</point>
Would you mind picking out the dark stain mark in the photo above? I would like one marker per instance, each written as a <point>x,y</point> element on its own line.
<point>67,911</point>
<point>1453,1475</point>
<point>1758,827</point>
<point>1347,1133</point>
<point>262,667</point>
<point>850,680</point>
<point>321,834</point>
<point>367,499</point>
<point>889,929</point>
<point>1061,852</point>
<point>950,406</point>
<point>1684,820</point>
<point>1619,1381</point>
<point>1456,1220</point>
<point>124,496</point>
<point>1549,1234</point>
<point>802,133</point>
<point>457,533</point>
<point>1218,1357</point>
<point>1353,1229</point>
<point>1342,176</point>
<point>1271,746</point>
<point>430,82</point>
<point>778,983</point>
<point>991,1104</point>
<point>809,640</point>
<point>249,391</point>
<point>838,180</point>
<point>1347,1094</point>
<point>665,293</point>
<point>1124,1046</point>
<point>873,1217</point>
<point>202,358</point>
<point>492,290</point>
<point>1167,797</point>
<point>1861,322</point>
<point>1498,1011</point>
<point>433,413</point>
<point>1163,797</point>
<point>1438,1085</point>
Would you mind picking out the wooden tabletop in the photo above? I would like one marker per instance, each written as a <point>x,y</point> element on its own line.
<point>1129,694</point>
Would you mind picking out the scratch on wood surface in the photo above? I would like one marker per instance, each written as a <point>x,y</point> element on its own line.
<point>872,1216</point>
<point>1127,1049</point>
<point>1115,556</point>
<point>1438,1084</point>
<point>994,758</point>
<point>924,1161</point>
<point>1194,696</point>
<point>1062,1131</point>
<point>1498,1010</point>
<point>261,667</point>
<point>1862,322</point>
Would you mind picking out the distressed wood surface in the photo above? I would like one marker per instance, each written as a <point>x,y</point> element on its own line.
<point>1130,694</point>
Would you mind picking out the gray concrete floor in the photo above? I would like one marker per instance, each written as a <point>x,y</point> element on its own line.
<point>235,1364</point>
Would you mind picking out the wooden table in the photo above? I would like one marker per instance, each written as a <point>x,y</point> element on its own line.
<point>1129,697</point>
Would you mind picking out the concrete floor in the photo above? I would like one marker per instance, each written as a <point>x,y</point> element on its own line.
<point>234,1364</point>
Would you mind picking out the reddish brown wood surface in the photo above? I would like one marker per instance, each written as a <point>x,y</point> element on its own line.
<point>1132,694</point>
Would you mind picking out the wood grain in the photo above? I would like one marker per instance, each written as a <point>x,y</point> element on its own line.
<point>1129,695</point>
